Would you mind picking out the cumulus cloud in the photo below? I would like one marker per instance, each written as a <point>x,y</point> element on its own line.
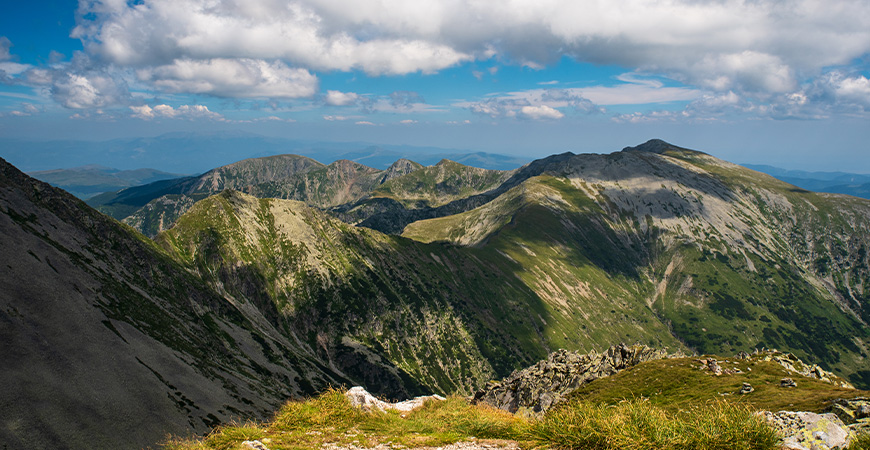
<point>407,121</point>
<point>338,98</point>
<point>540,112</point>
<point>87,90</point>
<point>184,111</point>
<point>234,78</point>
<point>161,31</point>
<point>720,45</point>
<point>364,122</point>
<point>534,104</point>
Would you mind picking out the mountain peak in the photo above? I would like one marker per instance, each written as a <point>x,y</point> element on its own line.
<point>652,146</point>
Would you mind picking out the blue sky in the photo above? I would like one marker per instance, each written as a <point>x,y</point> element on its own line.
<point>754,82</point>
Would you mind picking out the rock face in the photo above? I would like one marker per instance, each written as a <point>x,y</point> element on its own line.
<point>806,430</point>
<point>361,398</point>
<point>853,412</point>
<point>540,387</point>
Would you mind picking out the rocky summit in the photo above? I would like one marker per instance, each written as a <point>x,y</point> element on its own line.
<point>538,388</point>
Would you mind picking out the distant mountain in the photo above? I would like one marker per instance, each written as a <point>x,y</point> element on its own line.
<point>154,207</point>
<point>86,181</point>
<point>854,184</point>
<point>191,152</point>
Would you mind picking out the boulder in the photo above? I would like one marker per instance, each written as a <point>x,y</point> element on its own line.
<point>746,389</point>
<point>852,410</point>
<point>361,398</point>
<point>787,383</point>
<point>810,431</point>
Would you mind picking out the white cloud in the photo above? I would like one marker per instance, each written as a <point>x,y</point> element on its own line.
<point>364,122</point>
<point>234,78</point>
<point>338,98</point>
<point>334,118</point>
<point>407,121</point>
<point>541,112</point>
<point>721,45</point>
<point>182,112</point>
<point>88,90</point>
<point>165,30</point>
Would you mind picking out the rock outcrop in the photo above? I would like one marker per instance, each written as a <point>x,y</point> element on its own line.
<point>806,430</point>
<point>793,364</point>
<point>538,388</point>
<point>361,398</point>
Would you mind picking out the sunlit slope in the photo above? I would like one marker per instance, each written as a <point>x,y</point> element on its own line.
<point>727,258</point>
<point>447,318</point>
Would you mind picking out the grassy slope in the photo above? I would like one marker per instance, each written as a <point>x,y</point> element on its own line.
<point>654,247</point>
<point>440,184</point>
<point>400,316</point>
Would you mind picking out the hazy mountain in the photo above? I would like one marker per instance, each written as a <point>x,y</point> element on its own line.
<point>86,181</point>
<point>154,207</point>
<point>854,184</point>
<point>196,152</point>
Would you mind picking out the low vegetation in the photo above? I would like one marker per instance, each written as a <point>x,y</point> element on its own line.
<point>636,424</point>
<point>680,384</point>
<point>661,404</point>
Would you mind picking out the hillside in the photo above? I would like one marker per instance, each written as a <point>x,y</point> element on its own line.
<point>109,343</point>
<point>729,259</point>
<point>155,207</point>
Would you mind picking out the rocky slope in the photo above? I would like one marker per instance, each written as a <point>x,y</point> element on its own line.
<point>399,316</point>
<point>109,343</point>
<point>155,207</point>
<point>536,389</point>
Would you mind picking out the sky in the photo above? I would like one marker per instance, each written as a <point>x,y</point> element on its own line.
<point>780,82</point>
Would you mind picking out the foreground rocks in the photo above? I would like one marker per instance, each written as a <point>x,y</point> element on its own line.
<point>360,398</point>
<point>810,431</point>
<point>538,388</point>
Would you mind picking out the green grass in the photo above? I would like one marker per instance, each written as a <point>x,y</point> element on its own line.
<point>631,425</point>
<point>640,425</point>
<point>679,384</point>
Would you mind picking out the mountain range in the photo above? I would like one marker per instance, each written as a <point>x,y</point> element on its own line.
<point>274,277</point>
<point>854,184</point>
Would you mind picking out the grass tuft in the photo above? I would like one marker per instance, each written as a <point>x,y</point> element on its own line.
<point>639,425</point>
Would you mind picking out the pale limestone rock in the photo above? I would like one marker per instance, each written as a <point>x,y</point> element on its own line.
<point>810,431</point>
<point>360,398</point>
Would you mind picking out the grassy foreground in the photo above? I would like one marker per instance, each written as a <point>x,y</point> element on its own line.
<point>634,424</point>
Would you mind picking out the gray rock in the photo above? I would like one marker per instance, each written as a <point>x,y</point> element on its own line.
<point>810,431</point>
<point>255,445</point>
<point>852,410</point>
<point>538,388</point>
<point>746,389</point>
<point>787,383</point>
